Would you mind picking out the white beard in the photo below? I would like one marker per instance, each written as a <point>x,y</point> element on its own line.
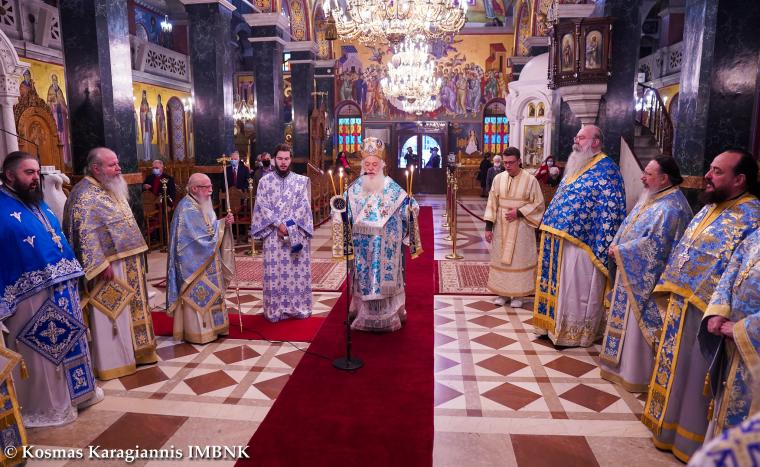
<point>578,160</point>
<point>207,208</point>
<point>117,186</point>
<point>373,184</point>
<point>644,196</point>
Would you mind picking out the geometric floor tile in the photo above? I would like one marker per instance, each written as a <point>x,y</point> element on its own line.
<point>149,431</point>
<point>170,352</point>
<point>236,354</point>
<point>442,363</point>
<point>483,306</point>
<point>487,321</point>
<point>443,394</point>
<point>272,387</point>
<point>589,397</point>
<point>441,320</point>
<point>544,341</point>
<point>442,339</point>
<point>570,366</point>
<point>494,341</point>
<point>554,451</point>
<point>511,396</point>
<point>291,358</point>
<point>210,382</point>
<point>143,377</point>
<point>501,365</point>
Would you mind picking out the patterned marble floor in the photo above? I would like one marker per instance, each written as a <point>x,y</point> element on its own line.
<point>503,397</point>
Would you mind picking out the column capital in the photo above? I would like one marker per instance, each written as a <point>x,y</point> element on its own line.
<point>224,3</point>
<point>267,19</point>
<point>302,46</point>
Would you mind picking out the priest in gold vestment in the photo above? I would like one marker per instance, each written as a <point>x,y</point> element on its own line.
<point>200,266</point>
<point>514,210</point>
<point>108,243</point>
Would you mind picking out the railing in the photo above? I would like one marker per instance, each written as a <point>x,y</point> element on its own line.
<point>651,113</point>
<point>33,21</point>
<point>156,60</point>
<point>664,62</point>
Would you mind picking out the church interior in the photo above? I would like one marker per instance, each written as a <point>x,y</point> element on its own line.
<point>465,382</point>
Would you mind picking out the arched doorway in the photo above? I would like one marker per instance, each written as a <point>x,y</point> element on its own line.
<point>37,130</point>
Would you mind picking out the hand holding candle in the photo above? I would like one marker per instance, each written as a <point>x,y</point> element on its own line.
<point>332,182</point>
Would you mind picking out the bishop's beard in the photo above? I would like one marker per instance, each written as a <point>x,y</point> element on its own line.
<point>373,184</point>
<point>578,160</point>
<point>207,208</point>
<point>117,186</point>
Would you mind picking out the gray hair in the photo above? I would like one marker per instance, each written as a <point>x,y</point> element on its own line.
<point>497,157</point>
<point>93,159</point>
<point>159,161</point>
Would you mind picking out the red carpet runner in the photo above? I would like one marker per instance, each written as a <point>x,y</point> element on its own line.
<point>254,327</point>
<point>381,415</point>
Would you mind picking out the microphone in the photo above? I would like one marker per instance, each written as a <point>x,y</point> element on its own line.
<point>36,146</point>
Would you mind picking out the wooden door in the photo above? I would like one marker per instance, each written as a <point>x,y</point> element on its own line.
<point>36,124</point>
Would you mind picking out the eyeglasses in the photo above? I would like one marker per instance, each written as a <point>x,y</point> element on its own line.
<point>205,187</point>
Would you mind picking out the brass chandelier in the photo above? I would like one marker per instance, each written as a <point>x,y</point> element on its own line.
<point>377,22</point>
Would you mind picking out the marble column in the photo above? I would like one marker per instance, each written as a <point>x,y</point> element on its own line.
<point>211,59</point>
<point>616,115</point>
<point>99,80</point>
<point>718,82</point>
<point>324,74</point>
<point>269,35</point>
<point>302,55</point>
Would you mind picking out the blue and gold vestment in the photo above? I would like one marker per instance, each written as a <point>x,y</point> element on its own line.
<point>642,246</point>
<point>736,298</point>
<point>689,280</point>
<point>586,211</point>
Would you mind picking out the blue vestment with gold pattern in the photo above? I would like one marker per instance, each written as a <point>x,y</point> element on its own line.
<point>195,275</point>
<point>586,211</point>
<point>735,447</point>
<point>736,298</point>
<point>42,259</point>
<point>694,268</point>
<point>642,246</point>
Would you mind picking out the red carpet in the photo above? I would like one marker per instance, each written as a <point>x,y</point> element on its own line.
<point>254,327</point>
<point>381,415</point>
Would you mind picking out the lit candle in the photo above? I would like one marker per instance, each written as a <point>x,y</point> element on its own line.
<point>411,182</point>
<point>332,182</point>
<point>406,173</point>
<point>340,181</point>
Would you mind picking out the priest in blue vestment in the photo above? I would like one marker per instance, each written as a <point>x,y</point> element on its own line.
<point>640,251</point>
<point>200,266</point>
<point>40,304</point>
<point>576,233</point>
<point>382,218</point>
<point>676,408</point>
<point>733,347</point>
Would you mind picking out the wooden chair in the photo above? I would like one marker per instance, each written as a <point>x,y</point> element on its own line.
<point>151,216</point>
<point>239,205</point>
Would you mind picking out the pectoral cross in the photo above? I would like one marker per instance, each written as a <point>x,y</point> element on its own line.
<point>57,239</point>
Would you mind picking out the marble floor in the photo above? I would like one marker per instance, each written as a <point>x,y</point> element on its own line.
<point>503,397</point>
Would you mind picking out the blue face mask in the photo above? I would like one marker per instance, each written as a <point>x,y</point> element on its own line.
<point>156,171</point>
<point>234,162</point>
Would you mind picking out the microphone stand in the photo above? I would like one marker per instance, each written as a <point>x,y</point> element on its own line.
<point>36,146</point>
<point>347,363</point>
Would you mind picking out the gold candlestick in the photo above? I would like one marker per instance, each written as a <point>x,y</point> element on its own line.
<point>332,182</point>
<point>165,213</point>
<point>252,252</point>
<point>453,233</point>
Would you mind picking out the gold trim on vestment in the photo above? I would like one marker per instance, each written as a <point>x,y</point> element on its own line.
<point>598,264</point>
<point>687,294</point>
<point>114,373</point>
<point>617,379</point>
<point>110,259</point>
<point>585,168</point>
<point>680,455</point>
<point>545,321</point>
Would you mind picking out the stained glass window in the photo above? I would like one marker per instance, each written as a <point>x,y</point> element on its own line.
<point>349,134</point>
<point>495,134</point>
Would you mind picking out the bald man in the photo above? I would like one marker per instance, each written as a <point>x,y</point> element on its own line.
<point>108,243</point>
<point>199,266</point>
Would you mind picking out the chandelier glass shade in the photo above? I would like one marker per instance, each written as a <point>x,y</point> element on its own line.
<point>411,76</point>
<point>376,22</point>
<point>243,111</point>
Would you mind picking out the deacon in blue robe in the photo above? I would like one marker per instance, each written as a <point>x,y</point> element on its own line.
<point>282,218</point>
<point>676,408</point>
<point>200,265</point>
<point>40,303</point>
<point>576,232</point>
<point>640,251</point>
<point>734,350</point>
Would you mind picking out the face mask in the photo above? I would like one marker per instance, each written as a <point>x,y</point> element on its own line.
<point>266,162</point>
<point>550,163</point>
<point>234,162</point>
<point>156,171</point>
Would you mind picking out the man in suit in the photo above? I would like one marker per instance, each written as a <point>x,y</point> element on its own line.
<point>153,182</point>
<point>237,173</point>
<point>435,159</point>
